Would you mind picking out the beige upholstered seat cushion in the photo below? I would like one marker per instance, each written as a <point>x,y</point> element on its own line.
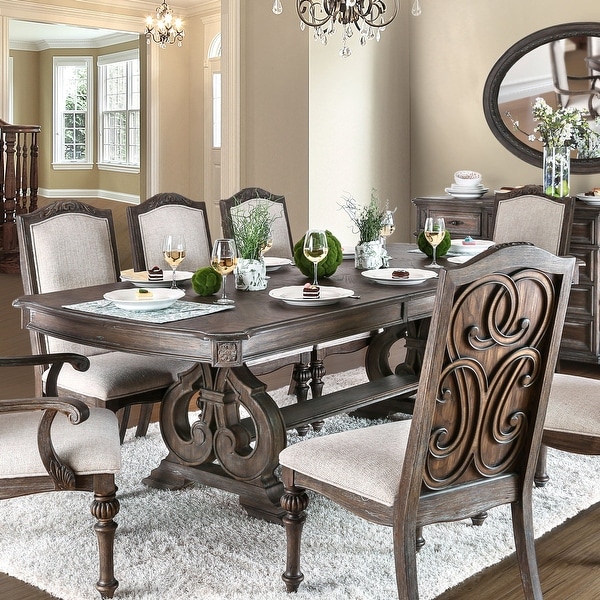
<point>367,461</point>
<point>574,405</point>
<point>120,374</point>
<point>90,447</point>
<point>185,220</point>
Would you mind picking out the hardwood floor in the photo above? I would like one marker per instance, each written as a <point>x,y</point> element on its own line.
<point>568,557</point>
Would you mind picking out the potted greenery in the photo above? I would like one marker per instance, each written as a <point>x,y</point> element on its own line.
<point>251,225</point>
<point>367,222</point>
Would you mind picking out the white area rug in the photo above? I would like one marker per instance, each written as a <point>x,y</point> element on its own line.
<point>199,544</point>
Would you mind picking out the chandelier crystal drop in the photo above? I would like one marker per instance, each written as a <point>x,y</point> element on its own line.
<point>165,29</point>
<point>367,17</point>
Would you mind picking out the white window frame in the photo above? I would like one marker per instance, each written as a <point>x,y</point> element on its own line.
<point>107,59</point>
<point>59,161</point>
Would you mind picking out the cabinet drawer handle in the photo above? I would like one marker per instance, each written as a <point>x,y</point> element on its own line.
<point>457,222</point>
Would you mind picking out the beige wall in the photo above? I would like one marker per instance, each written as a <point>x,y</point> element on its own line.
<point>449,66</point>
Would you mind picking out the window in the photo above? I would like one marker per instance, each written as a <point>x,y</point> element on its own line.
<point>119,110</point>
<point>73,95</point>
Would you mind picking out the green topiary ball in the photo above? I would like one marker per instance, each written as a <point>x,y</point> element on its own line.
<point>206,281</point>
<point>441,250</point>
<point>326,267</point>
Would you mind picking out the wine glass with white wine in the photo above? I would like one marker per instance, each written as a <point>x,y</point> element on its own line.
<point>387,228</point>
<point>173,249</point>
<point>435,231</point>
<point>315,248</point>
<point>223,260</point>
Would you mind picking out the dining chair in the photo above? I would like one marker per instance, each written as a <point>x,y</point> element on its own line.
<point>57,443</point>
<point>573,419</point>
<point>245,200</point>
<point>526,214</point>
<point>68,244</point>
<point>163,214</point>
<point>568,88</point>
<point>474,438</point>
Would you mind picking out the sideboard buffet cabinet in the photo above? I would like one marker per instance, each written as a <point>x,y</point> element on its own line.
<point>581,335</point>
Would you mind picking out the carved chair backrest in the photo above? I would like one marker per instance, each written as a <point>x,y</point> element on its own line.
<point>487,370</point>
<point>528,215</point>
<point>63,245</point>
<point>243,201</point>
<point>162,215</point>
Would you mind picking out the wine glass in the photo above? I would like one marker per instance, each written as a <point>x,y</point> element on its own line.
<point>223,260</point>
<point>435,230</point>
<point>315,248</point>
<point>173,249</point>
<point>387,228</point>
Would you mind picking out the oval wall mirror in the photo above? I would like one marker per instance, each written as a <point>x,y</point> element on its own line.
<point>562,55</point>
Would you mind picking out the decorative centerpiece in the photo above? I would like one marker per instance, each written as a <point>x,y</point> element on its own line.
<point>251,232</point>
<point>560,131</point>
<point>367,222</point>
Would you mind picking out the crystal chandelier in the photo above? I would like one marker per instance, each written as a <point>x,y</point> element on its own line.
<point>165,30</point>
<point>368,17</point>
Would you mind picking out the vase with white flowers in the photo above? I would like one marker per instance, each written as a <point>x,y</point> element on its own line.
<point>367,222</point>
<point>561,132</point>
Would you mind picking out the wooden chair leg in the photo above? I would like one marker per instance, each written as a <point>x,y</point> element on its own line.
<point>144,419</point>
<point>123,416</point>
<point>294,501</point>
<point>541,476</point>
<point>104,508</point>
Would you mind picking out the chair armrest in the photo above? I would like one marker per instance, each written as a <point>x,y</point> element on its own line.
<point>56,361</point>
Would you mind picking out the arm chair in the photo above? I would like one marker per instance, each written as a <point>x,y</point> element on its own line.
<point>54,443</point>
<point>474,438</point>
<point>68,244</point>
<point>568,88</point>
<point>528,215</point>
<point>161,215</point>
<point>572,421</point>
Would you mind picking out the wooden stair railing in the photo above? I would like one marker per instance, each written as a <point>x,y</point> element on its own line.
<point>18,185</point>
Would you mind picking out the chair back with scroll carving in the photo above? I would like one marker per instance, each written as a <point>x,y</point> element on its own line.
<point>474,438</point>
<point>56,443</point>
<point>161,215</point>
<point>243,201</point>
<point>528,215</point>
<point>69,244</point>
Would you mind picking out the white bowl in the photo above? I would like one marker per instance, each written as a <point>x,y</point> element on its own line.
<point>128,299</point>
<point>467,178</point>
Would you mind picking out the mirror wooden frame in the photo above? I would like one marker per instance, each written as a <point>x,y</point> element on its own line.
<point>494,80</point>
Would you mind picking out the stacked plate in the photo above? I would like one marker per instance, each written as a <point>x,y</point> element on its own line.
<point>591,200</point>
<point>466,192</point>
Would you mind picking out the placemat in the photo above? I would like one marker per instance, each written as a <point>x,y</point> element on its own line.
<point>176,312</point>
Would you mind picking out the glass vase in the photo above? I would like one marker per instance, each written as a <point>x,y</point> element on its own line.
<point>556,171</point>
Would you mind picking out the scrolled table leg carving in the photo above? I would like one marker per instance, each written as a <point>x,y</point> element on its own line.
<point>301,376</point>
<point>317,372</point>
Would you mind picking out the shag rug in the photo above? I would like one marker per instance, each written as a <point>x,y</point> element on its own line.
<point>199,544</point>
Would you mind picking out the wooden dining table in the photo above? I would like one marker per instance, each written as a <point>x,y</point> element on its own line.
<point>234,440</point>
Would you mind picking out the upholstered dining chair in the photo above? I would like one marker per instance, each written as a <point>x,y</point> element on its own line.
<point>526,214</point>
<point>57,443</point>
<point>244,201</point>
<point>161,215</point>
<point>69,244</point>
<point>573,419</point>
<point>473,441</point>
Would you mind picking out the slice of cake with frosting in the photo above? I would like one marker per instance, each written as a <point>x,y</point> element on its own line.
<point>311,291</point>
<point>155,274</point>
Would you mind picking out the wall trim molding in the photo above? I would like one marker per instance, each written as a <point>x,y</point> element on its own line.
<point>68,194</point>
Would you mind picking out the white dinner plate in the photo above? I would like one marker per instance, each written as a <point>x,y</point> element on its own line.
<point>292,294</point>
<point>273,263</point>
<point>384,276</point>
<point>591,200</point>
<point>459,260</point>
<point>465,195</point>
<point>140,278</point>
<point>128,299</point>
<point>457,247</point>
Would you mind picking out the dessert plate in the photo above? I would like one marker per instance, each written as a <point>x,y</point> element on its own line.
<point>457,247</point>
<point>384,276</point>
<point>140,278</point>
<point>128,300</point>
<point>292,294</point>
<point>273,263</point>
